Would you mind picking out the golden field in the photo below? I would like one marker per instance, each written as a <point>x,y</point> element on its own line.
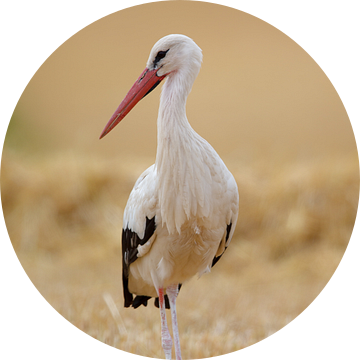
<point>264,105</point>
<point>64,219</point>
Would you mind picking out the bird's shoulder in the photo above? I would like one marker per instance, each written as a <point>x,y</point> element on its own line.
<point>139,226</point>
<point>141,203</point>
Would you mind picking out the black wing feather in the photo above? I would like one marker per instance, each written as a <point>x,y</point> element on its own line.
<point>217,258</point>
<point>130,241</point>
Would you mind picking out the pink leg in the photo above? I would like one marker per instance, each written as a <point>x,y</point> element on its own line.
<point>166,340</point>
<point>172,292</point>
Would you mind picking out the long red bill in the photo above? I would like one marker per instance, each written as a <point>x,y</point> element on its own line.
<point>147,81</point>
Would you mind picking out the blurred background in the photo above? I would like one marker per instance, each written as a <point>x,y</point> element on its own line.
<point>271,114</point>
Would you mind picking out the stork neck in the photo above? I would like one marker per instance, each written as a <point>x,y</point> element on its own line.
<point>173,126</point>
<point>181,160</point>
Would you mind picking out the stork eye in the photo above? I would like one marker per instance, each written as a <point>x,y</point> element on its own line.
<point>160,55</point>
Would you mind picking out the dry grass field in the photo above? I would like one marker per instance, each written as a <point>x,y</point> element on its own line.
<point>63,216</point>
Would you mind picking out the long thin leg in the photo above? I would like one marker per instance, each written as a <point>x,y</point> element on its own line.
<point>166,340</point>
<point>172,292</point>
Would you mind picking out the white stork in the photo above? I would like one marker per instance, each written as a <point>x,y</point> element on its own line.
<point>182,211</point>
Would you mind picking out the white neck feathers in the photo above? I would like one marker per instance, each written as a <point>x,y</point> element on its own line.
<point>184,179</point>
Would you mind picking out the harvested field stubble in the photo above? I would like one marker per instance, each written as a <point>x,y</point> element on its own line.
<point>64,219</point>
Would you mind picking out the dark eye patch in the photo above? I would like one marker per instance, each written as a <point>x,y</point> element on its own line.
<point>160,55</point>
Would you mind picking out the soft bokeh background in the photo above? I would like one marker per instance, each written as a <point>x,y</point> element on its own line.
<point>265,106</point>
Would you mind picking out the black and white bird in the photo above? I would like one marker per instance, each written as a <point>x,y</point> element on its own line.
<point>182,211</point>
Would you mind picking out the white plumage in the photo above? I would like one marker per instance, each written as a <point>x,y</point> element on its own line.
<point>182,211</point>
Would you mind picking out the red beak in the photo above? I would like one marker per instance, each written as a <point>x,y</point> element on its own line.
<point>147,82</point>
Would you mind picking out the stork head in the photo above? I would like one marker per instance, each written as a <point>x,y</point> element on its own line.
<point>173,54</point>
